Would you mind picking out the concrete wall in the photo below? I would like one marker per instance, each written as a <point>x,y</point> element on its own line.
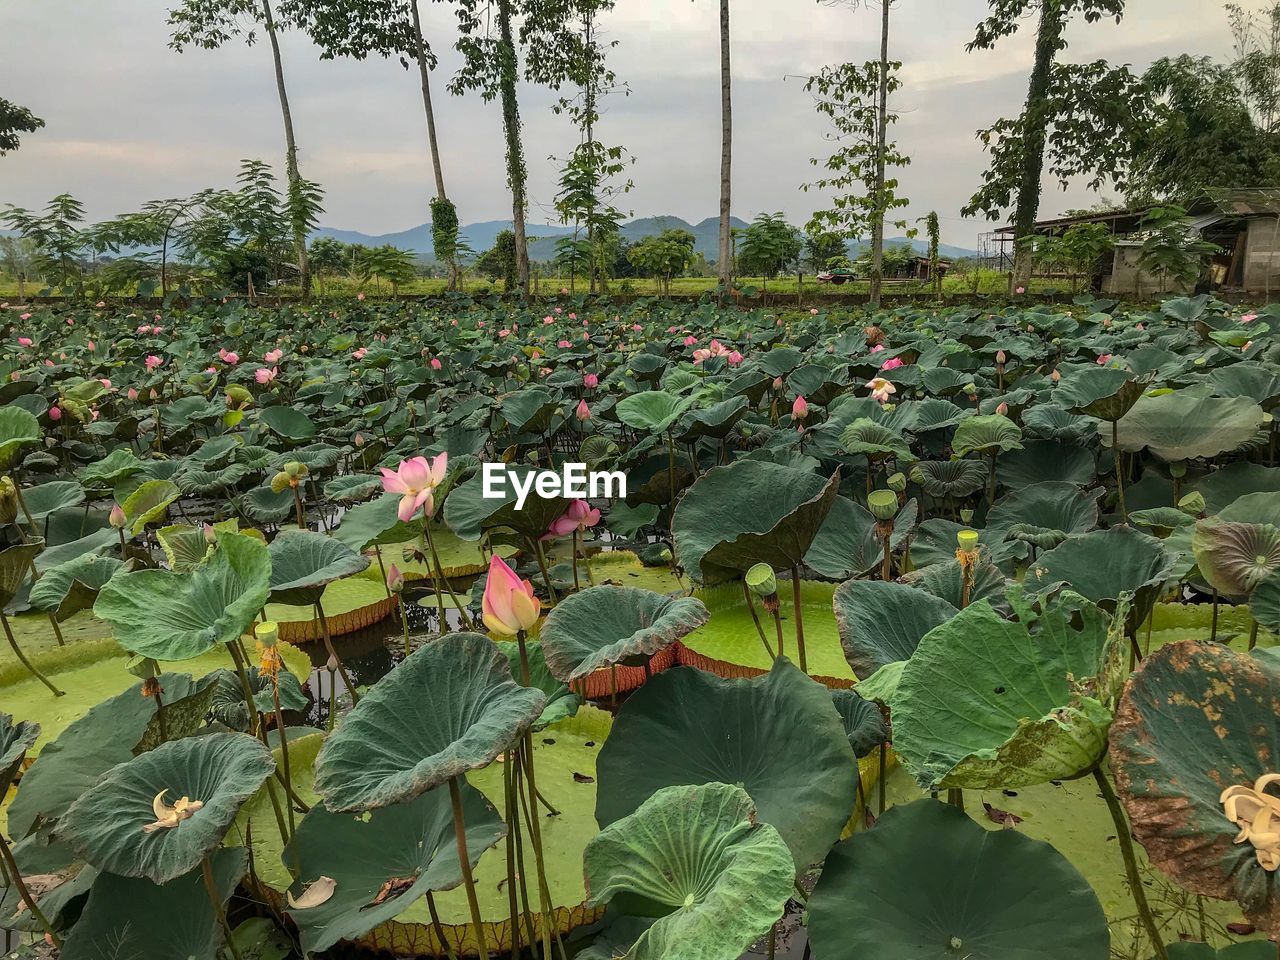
<point>1126,280</point>
<point>1262,256</point>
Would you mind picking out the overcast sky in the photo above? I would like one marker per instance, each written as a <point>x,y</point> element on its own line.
<point>130,120</point>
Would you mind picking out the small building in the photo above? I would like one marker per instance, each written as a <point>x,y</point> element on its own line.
<point>1243,224</point>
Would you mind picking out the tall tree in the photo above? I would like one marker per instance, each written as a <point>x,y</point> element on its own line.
<point>725,264</point>
<point>1257,60</point>
<point>358,28</point>
<point>13,121</point>
<point>211,23</point>
<point>1019,146</point>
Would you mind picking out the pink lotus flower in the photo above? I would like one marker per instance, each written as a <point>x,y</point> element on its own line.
<point>881,389</point>
<point>132,394</point>
<point>415,480</point>
<point>559,310</point>
<point>25,316</point>
<point>48,363</point>
<point>153,361</point>
<point>228,357</point>
<point>734,358</point>
<point>777,383</point>
<point>1020,291</point>
<point>813,311</point>
<point>547,321</point>
<point>359,354</point>
<point>563,343</point>
<point>877,348</point>
<point>92,346</point>
<point>273,356</point>
<point>573,316</point>
<point>509,604</point>
<point>55,414</point>
<point>1003,409</point>
<point>1104,359</point>
<point>590,380</point>
<point>504,334</point>
<point>106,384</point>
<point>395,579</point>
<point>1249,318</point>
<point>435,363</point>
<point>893,363</point>
<point>116,517</point>
<point>690,340</point>
<point>359,439</point>
<point>24,341</point>
<point>70,322</point>
<point>583,412</point>
<point>359,296</point>
<point>636,327</point>
<point>265,376</point>
<point>800,409</point>
<point>580,517</point>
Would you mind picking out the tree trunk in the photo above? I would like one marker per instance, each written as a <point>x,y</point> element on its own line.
<point>516,172</point>
<point>1035,129</point>
<point>725,266</point>
<point>589,109</point>
<point>424,72</point>
<point>882,136</point>
<point>291,148</point>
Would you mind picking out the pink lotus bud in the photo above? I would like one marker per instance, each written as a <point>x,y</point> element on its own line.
<point>509,604</point>
<point>590,380</point>
<point>55,414</point>
<point>800,409</point>
<point>583,412</point>
<point>435,363</point>
<point>1002,409</point>
<point>116,517</point>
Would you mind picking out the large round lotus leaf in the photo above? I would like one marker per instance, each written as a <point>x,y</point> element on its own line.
<point>469,513</point>
<point>1045,514</point>
<point>56,878</point>
<point>875,441</point>
<point>933,413</point>
<point>989,434</point>
<point>1264,602</point>
<point>881,622</point>
<point>111,469</point>
<point>133,917</point>
<point>108,825</point>
<point>15,569</point>
<point>1235,557</point>
<point>747,513</point>
<point>1253,508</point>
<point>986,702</point>
<point>287,422</point>
<point>1107,393</point>
<point>561,701</point>
<point>946,580</point>
<point>18,429</point>
<point>1054,423</point>
<point>529,410</point>
<point>111,732</point>
<point>228,706</point>
<point>864,723</point>
<point>375,523</point>
<point>653,411</point>
<point>930,884</point>
<point>1041,460</point>
<point>1196,719</point>
<point>73,586</point>
<point>1104,564</point>
<point>303,562</point>
<point>450,707</point>
<point>353,488</point>
<point>1224,486</point>
<point>15,740</point>
<point>602,626</point>
<point>950,478</point>
<point>383,861</point>
<point>685,726</point>
<point>1179,426</point>
<point>174,616</point>
<point>1259,382</point>
<point>148,503</point>
<point>715,421</point>
<point>695,857</point>
<point>847,544</point>
<point>935,542</point>
<point>49,498</point>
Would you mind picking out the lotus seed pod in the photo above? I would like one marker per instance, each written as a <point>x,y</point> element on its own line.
<point>1192,504</point>
<point>144,668</point>
<point>898,482</point>
<point>966,516</point>
<point>762,580</point>
<point>967,539</point>
<point>917,475</point>
<point>1178,469</point>
<point>267,633</point>
<point>8,500</point>
<point>883,504</point>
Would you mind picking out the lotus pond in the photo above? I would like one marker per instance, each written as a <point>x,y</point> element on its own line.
<point>918,634</point>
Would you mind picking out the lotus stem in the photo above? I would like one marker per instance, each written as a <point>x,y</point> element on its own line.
<point>884,763</point>
<point>1253,633</point>
<point>299,512</point>
<point>755,618</point>
<point>8,632</point>
<point>160,718</point>
<point>955,797</point>
<point>799,615</point>
<point>284,755</point>
<point>22,504</point>
<point>11,869</point>
<point>464,860</point>
<point>439,570</point>
<point>535,834</point>
<point>671,477</point>
<point>438,927</point>
<point>512,814</point>
<point>218,911</point>
<point>514,824</point>
<point>1125,837</point>
<point>574,543</point>
<point>1116,456</point>
<point>328,645</point>
<point>1213,624</point>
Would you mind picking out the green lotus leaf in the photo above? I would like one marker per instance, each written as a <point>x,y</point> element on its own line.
<point>1196,719</point>
<point>1224,486</point>
<point>450,707</point>
<point>304,562</point>
<point>1104,565</point>
<point>1041,460</point>
<point>695,857</point>
<point>891,892</point>
<point>205,483</point>
<point>15,569</point>
<point>625,521</point>
<point>715,421</point>
<point>1107,393</point>
<point>111,732</point>
<point>148,503</point>
<point>1044,514</point>
<point>685,726</point>
<point>287,422</point>
<point>875,441</point>
<point>881,622</point>
<point>18,429</point>
<point>606,625</point>
<point>950,478</point>
<point>654,411</point>
<point>747,513</point>
<point>1180,426</point>
<point>265,505</point>
<point>133,917</point>
<point>185,547</point>
<point>932,413</point>
<point>174,616</point>
<point>847,544</point>
<point>1032,707</point>
<point>561,701</point>
<point>1164,519</point>
<point>118,465</point>
<point>48,498</point>
<point>73,586</point>
<point>315,456</point>
<point>228,706</point>
<point>15,740</point>
<point>780,361</point>
<point>864,723</point>
<point>353,488</point>
<point>1054,423</point>
<point>935,542</point>
<point>1253,508</point>
<point>990,434</point>
<point>65,881</point>
<point>409,846</point>
<point>946,580</point>
<point>1235,557</point>
<point>107,825</point>
<point>1250,950</point>
<point>1259,382</point>
<point>374,523</point>
<point>529,410</point>
<point>470,514</point>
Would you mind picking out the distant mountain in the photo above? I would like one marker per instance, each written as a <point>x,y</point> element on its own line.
<point>918,244</point>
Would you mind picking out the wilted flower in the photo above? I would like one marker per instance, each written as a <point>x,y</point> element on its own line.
<point>881,389</point>
<point>509,604</point>
<point>168,817</point>
<point>415,480</point>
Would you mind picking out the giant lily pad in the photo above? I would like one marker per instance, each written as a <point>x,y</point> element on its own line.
<point>654,411</point>
<point>1034,704</point>
<point>174,616</point>
<point>1179,426</point>
<point>695,857</point>
<point>882,622</point>
<point>894,892</point>
<point>119,825</point>
<point>303,563</point>
<point>685,726</point>
<point>606,625</point>
<point>1194,720</point>
<point>450,707</point>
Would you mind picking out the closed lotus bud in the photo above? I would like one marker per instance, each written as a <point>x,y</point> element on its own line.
<point>1178,469</point>
<point>331,664</point>
<point>395,579</point>
<point>1000,357</point>
<point>762,581</point>
<point>8,500</point>
<point>1002,409</point>
<point>966,516</point>
<point>883,504</point>
<point>1055,376</point>
<point>898,482</point>
<point>116,517</point>
<point>1192,504</point>
<point>967,540</point>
